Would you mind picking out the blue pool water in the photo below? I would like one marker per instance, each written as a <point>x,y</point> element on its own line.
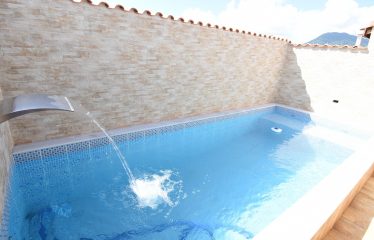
<point>222,179</point>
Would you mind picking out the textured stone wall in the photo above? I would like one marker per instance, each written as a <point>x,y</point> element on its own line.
<point>314,77</point>
<point>127,68</point>
<point>6,145</point>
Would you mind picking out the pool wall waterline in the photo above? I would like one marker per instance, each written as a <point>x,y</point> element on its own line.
<point>144,129</point>
<point>154,128</point>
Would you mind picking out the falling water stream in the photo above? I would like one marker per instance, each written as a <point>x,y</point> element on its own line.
<point>124,163</point>
<point>151,190</point>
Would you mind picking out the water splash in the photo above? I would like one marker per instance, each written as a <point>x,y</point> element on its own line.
<point>153,190</point>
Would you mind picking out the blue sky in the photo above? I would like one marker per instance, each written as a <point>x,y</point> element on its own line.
<point>298,20</point>
<point>179,6</point>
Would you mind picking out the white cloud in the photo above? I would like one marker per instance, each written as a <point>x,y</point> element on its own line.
<point>276,17</point>
<point>200,15</point>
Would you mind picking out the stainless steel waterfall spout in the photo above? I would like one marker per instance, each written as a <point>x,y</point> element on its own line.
<point>29,103</point>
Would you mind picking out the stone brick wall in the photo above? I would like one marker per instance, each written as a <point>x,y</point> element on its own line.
<point>314,77</point>
<point>127,68</point>
<point>6,145</point>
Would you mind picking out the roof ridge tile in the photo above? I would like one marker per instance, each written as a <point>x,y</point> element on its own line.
<point>181,19</point>
<point>147,12</point>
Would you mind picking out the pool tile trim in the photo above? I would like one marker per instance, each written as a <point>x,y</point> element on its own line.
<point>55,147</point>
<point>83,142</point>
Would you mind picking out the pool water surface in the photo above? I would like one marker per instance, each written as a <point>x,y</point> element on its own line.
<point>226,178</point>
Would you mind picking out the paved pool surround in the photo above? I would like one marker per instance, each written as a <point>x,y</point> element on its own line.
<point>130,68</point>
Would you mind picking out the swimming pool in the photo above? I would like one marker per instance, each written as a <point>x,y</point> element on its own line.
<point>223,177</point>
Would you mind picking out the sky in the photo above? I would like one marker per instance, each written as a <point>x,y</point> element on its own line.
<point>297,20</point>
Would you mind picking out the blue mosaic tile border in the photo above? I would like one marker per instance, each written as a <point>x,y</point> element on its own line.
<point>87,144</point>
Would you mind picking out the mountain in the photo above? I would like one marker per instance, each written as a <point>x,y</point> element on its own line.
<point>335,38</point>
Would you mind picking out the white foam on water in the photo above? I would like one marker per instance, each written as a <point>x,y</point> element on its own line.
<point>153,190</point>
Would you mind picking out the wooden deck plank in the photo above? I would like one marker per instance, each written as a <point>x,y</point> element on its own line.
<point>357,216</point>
<point>336,235</point>
<point>370,183</point>
<point>363,202</point>
<point>349,229</point>
<point>368,189</point>
<point>357,220</point>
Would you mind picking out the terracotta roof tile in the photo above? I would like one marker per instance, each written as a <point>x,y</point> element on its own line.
<point>118,6</point>
<point>134,10</point>
<point>147,12</point>
<point>103,4</point>
<point>171,17</point>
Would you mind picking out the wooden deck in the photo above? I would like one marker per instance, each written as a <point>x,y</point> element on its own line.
<point>357,222</point>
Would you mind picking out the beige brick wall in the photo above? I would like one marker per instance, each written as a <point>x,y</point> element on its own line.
<point>127,68</point>
<point>314,77</point>
<point>6,145</point>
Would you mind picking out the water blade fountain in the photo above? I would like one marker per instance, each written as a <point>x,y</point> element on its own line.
<point>29,103</point>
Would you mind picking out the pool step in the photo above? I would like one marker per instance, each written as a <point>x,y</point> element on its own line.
<point>336,136</point>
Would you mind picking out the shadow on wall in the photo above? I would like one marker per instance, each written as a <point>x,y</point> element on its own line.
<point>291,85</point>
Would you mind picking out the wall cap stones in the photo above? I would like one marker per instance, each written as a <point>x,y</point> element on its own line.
<point>171,17</point>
